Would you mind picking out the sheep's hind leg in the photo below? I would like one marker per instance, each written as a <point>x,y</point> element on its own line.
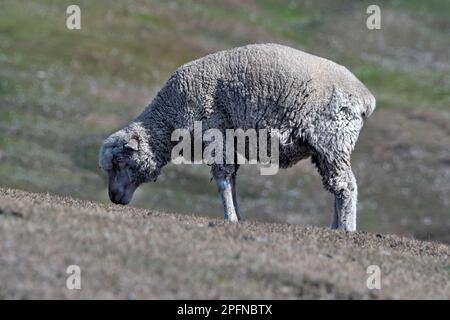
<point>342,183</point>
<point>224,184</point>
<point>345,200</point>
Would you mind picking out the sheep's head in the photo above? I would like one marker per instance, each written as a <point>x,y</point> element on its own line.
<point>127,159</point>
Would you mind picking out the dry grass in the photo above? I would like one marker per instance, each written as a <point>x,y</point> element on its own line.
<point>126,252</point>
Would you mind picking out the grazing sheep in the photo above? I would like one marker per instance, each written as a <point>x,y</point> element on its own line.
<point>318,107</point>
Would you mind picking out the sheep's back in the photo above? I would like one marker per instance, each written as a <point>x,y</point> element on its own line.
<point>266,85</point>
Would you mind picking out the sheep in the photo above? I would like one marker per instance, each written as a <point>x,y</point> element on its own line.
<point>317,105</point>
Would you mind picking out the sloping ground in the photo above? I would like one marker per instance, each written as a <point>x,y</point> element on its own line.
<point>124,252</point>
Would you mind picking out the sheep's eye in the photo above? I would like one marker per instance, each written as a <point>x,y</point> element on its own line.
<point>119,161</point>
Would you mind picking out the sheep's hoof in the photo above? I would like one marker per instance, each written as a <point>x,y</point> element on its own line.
<point>232,219</point>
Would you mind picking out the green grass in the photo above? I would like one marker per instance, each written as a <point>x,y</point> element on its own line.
<point>393,87</point>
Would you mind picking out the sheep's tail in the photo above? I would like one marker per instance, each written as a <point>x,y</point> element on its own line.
<point>368,105</point>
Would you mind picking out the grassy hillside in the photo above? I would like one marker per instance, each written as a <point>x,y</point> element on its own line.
<point>136,253</point>
<point>63,91</point>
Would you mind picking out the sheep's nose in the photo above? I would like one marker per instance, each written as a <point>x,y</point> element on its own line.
<point>115,197</point>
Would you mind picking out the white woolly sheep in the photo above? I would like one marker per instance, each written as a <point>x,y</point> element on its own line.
<point>318,102</point>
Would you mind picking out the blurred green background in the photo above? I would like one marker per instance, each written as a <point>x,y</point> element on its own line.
<point>63,91</point>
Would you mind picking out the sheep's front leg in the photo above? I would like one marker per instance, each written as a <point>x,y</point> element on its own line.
<point>235,202</point>
<point>225,189</point>
<point>223,174</point>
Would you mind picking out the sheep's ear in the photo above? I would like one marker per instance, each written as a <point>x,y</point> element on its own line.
<point>133,143</point>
